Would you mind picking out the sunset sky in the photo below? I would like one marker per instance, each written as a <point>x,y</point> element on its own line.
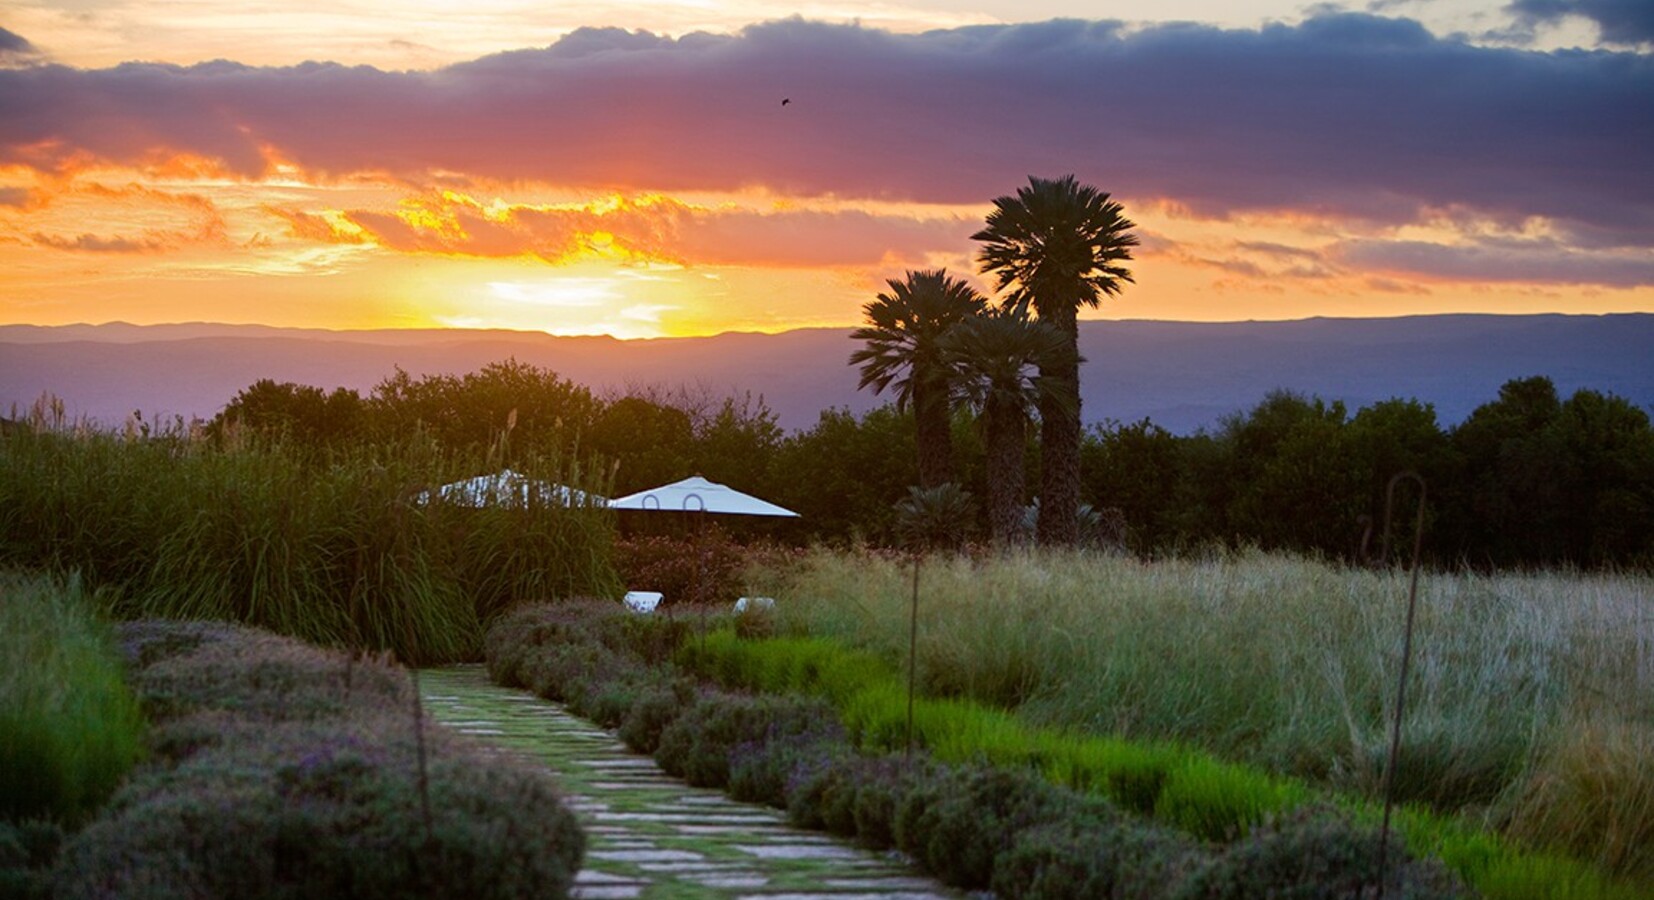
<point>629,168</point>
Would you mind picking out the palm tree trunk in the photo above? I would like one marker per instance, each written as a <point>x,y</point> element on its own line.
<point>1007,429</point>
<point>1059,505</point>
<point>933,433</point>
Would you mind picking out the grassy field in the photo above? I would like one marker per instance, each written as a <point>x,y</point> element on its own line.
<point>1531,707</point>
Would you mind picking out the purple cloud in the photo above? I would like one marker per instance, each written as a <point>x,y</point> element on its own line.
<point>1529,261</point>
<point>1627,22</point>
<point>1343,115</point>
<point>14,44</point>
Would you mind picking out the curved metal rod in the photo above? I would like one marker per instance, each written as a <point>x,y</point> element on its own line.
<point>697,498</point>
<point>1406,656</point>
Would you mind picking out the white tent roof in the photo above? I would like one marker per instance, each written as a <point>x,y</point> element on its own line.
<point>696,494</point>
<point>509,488</point>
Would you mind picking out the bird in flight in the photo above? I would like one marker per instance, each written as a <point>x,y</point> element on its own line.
<point>786,100</point>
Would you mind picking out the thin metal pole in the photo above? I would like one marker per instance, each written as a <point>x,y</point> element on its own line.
<point>419,744</point>
<point>1406,659</point>
<point>913,650</point>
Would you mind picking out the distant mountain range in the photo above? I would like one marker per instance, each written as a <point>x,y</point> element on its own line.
<point>1184,376</point>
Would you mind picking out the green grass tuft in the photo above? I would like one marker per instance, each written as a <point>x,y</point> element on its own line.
<point>69,726</point>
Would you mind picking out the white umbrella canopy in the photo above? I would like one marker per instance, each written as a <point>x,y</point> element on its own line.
<point>513,489</point>
<point>696,494</point>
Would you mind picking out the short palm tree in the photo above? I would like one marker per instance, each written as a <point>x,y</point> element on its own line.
<point>997,357</point>
<point>902,336</point>
<point>1057,245</point>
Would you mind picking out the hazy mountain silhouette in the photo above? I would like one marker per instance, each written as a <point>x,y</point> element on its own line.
<point>1182,375</point>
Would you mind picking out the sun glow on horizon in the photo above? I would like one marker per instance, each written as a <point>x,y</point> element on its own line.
<point>114,244</point>
<point>608,181</point>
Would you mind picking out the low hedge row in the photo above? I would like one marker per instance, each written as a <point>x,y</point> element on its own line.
<point>977,826</point>
<point>279,770</point>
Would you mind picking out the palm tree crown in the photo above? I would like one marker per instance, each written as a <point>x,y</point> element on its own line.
<point>1057,245</point>
<point>902,350</point>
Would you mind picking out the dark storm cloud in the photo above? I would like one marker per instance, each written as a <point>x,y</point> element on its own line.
<point>1343,115</point>
<point>1628,22</point>
<point>16,49</point>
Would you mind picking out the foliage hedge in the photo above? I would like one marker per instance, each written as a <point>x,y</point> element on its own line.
<point>976,825</point>
<point>279,770</point>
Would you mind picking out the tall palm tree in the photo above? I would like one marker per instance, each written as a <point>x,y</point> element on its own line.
<point>903,334</point>
<point>997,356</point>
<point>1058,245</point>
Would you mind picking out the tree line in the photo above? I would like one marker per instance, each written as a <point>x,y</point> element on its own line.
<point>1530,479</point>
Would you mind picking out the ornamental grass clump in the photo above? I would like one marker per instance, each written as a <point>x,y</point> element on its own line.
<point>70,727</point>
<point>281,770</point>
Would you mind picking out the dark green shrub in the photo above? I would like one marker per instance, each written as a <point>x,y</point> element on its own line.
<point>146,642</point>
<point>966,829</point>
<point>697,745</point>
<point>1085,856</point>
<point>925,788</point>
<point>345,821</point>
<point>677,738</point>
<point>652,638</point>
<point>256,675</point>
<point>300,778</point>
<point>1315,853</point>
<point>571,672</point>
<point>768,771</point>
<point>656,708</point>
<point>609,702</point>
<point>704,567</point>
<point>822,796</point>
<point>882,783</point>
<point>27,850</point>
<point>838,802</point>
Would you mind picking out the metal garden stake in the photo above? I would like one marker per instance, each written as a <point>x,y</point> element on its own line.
<point>913,649</point>
<point>1406,658</point>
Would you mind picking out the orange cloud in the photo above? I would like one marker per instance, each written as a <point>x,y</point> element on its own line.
<point>641,229</point>
<point>126,219</point>
<point>320,229</point>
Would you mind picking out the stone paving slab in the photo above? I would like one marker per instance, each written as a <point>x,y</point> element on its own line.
<point>651,836</point>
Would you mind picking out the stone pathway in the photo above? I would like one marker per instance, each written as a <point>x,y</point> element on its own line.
<point>652,836</point>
